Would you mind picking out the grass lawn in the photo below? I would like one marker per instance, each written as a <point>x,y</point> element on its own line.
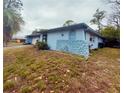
<point>27,70</point>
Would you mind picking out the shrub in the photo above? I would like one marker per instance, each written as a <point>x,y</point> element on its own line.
<point>112,36</point>
<point>26,89</point>
<point>42,46</point>
<point>100,45</point>
<point>9,85</point>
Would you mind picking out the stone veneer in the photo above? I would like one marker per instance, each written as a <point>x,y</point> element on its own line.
<point>74,46</point>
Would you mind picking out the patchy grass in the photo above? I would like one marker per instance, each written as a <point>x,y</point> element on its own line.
<point>41,85</point>
<point>45,71</point>
<point>8,85</point>
<point>26,89</point>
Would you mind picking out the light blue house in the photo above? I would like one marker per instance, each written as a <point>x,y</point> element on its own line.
<point>77,38</point>
<point>30,38</point>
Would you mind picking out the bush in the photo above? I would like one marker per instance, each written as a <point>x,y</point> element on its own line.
<point>42,46</point>
<point>112,36</point>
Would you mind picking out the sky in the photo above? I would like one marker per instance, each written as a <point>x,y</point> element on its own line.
<point>47,14</point>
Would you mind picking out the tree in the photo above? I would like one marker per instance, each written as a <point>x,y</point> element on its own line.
<point>68,22</point>
<point>114,18</point>
<point>35,31</point>
<point>97,18</point>
<point>112,35</point>
<point>12,19</point>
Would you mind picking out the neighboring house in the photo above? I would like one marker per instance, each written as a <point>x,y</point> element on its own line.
<point>18,40</point>
<point>77,38</point>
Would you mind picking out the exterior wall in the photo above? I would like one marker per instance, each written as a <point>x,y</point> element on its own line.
<point>95,43</point>
<point>34,40</point>
<point>72,35</point>
<point>88,38</point>
<point>29,40</point>
<point>92,44</point>
<point>54,36</point>
<point>74,46</point>
<point>80,34</point>
<point>72,41</point>
<point>100,40</point>
<point>40,39</point>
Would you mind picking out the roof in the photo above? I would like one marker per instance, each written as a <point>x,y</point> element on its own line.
<point>71,27</point>
<point>66,28</point>
<point>34,35</point>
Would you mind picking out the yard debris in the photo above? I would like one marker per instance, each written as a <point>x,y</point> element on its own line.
<point>68,70</point>
<point>40,77</point>
<point>15,78</point>
<point>83,74</point>
<point>65,75</point>
<point>51,91</point>
<point>63,81</point>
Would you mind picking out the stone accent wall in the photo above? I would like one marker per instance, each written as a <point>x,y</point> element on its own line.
<point>74,46</point>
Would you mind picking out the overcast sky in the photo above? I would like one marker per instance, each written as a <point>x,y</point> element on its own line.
<point>46,14</point>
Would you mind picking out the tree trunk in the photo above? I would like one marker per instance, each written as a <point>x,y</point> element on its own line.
<point>6,35</point>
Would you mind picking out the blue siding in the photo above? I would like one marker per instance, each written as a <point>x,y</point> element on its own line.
<point>54,36</point>
<point>29,40</point>
<point>74,46</point>
<point>72,35</point>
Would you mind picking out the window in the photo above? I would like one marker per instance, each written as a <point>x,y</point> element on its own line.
<point>92,38</point>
